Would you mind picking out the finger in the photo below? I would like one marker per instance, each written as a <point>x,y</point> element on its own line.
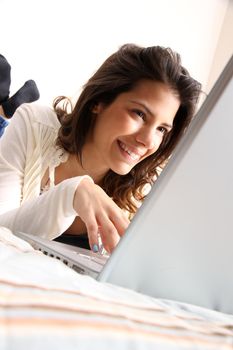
<point>92,232</point>
<point>108,233</point>
<point>120,221</point>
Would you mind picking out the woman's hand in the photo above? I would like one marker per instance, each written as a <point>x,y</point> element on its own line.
<point>100,214</point>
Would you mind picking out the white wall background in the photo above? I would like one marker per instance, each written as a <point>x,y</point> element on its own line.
<point>224,48</point>
<point>60,44</point>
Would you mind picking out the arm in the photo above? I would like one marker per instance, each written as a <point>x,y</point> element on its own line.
<point>47,215</point>
<point>53,212</point>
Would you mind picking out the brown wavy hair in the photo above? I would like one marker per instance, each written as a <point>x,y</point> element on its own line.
<point>120,73</point>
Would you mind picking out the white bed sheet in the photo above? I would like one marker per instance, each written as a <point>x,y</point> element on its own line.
<point>46,305</point>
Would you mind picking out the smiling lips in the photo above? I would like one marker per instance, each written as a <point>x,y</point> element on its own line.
<point>134,156</point>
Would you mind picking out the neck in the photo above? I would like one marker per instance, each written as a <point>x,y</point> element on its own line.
<point>73,167</point>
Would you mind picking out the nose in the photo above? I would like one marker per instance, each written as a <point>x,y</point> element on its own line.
<point>147,137</point>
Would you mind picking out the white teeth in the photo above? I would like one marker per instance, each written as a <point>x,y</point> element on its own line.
<point>133,155</point>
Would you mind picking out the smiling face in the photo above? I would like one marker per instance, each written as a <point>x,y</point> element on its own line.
<point>130,129</point>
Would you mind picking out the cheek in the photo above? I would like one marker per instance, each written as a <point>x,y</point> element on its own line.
<point>124,122</point>
<point>114,124</point>
<point>101,128</point>
<point>157,142</point>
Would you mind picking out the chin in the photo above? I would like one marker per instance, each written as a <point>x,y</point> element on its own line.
<point>121,170</point>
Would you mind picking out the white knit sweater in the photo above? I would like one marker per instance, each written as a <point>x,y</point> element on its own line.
<point>27,150</point>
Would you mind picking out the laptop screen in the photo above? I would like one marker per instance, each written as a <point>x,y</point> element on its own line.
<point>179,244</point>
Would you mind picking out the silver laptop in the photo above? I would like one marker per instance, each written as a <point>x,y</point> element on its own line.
<point>179,245</point>
<point>81,260</point>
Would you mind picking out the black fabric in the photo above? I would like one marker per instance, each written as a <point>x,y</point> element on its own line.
<point>27,93</point>
<point>76,240</point>
<point>5,79</point>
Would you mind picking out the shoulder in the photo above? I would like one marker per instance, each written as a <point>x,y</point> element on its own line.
<point>34,125</point>
<point>34,113</point>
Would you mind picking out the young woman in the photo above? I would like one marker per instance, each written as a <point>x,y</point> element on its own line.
<point>84,169</point>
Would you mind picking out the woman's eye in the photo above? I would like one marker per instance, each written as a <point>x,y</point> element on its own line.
<point>140,114</point>
<point>162,130</point>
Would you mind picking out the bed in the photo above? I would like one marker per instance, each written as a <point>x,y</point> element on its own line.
<point>46,305</point>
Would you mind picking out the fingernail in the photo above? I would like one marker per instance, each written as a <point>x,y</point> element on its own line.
<point>95,248</point>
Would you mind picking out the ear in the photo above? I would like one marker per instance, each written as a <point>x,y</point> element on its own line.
<point>97,108</point>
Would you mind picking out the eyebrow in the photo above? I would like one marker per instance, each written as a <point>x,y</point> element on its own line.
<point>149,112</point>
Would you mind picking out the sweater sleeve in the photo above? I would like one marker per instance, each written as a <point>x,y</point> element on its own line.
<point>47,215</point>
